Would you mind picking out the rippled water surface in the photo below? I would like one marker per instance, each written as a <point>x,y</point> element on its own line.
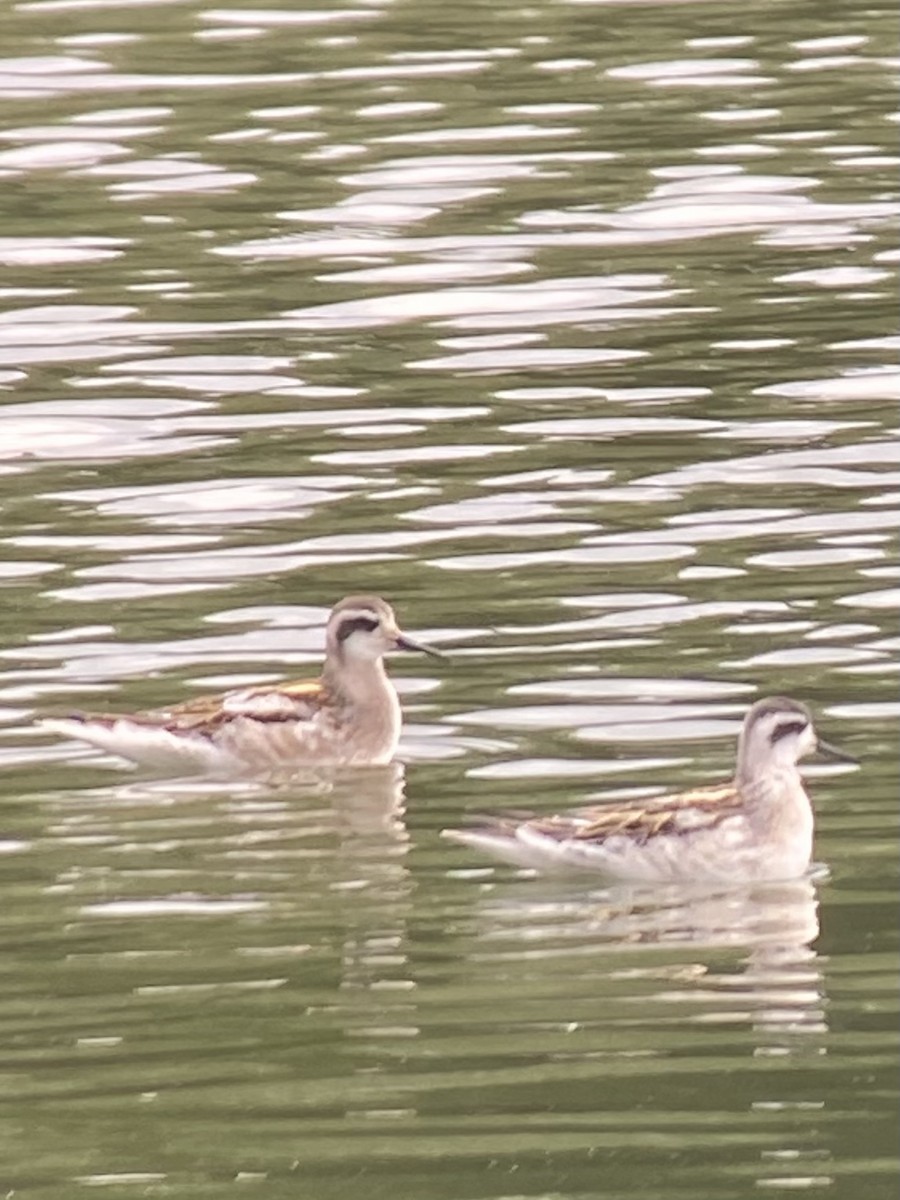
<point>571,329</point>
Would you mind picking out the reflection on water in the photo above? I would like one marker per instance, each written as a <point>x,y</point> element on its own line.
<point>571,329</point>
<point>778,987</point>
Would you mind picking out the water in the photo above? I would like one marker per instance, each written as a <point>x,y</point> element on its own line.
<point>572,330</point>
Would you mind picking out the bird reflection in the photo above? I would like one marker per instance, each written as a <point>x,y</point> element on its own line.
<point>778,985</point>
<point>320,853</point>
<point>369,807</point>
<point>375,999</point>
<point>277,839</point>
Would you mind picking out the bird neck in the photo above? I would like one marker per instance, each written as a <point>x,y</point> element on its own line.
<point>766,782</point>
<point>358,681</point>
<point>365,706</point>
<point>776,802</point>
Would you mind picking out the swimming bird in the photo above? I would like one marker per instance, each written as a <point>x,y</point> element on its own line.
<point>757,826</point>
<point>349,717</point>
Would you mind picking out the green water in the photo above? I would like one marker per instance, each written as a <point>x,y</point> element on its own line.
<point>571,329</point>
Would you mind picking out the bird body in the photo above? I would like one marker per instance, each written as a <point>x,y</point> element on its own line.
<point>349,717</point>
<point>757,826</point>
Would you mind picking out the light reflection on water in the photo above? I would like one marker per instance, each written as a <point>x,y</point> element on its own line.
<point>581,349</point>
<point>778,988</point>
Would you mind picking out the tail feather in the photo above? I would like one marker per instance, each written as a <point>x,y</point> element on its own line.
<point>146,745</point>
<point>522,843</point>
<point>499,839</point>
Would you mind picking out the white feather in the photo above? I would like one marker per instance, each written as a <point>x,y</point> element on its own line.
<point>145,745</point>
<point>509,849</point>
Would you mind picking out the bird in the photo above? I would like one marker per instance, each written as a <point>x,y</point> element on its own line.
<point>350,716</point>
<point>758,826</point>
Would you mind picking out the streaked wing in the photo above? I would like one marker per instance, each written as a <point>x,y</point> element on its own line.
<point>683,812</point>
<point>297,700</point>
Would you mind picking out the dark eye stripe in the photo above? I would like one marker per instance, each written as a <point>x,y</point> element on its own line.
<point>355,625</point>
<point>786,728</point>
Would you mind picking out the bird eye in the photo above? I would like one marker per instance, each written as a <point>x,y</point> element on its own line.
<point>356,625</point>
<point>785,729</point>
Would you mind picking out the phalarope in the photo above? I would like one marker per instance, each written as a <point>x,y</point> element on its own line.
<point>758,826</point>
<point>349,716</point>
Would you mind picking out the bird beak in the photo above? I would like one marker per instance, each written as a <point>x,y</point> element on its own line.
<point>833,753</point>
<point>407,643</point>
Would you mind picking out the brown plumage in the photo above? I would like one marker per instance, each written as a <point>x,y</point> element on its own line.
<point>758,825</point>
<point>349,716</point>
